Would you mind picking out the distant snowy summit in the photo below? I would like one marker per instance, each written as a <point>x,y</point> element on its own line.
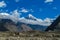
<point>12,22</point>
<point>30,19</point>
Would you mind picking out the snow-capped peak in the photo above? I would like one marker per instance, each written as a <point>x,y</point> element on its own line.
<point>31,17</point>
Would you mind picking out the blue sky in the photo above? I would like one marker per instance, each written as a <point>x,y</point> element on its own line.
<point>39,8</point>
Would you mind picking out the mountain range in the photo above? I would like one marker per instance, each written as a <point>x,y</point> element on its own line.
<point>15,24</point>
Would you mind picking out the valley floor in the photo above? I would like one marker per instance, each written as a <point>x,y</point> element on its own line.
<point>30,35</point>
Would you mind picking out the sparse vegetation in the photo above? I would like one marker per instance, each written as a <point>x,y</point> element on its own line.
<point>29,36</point>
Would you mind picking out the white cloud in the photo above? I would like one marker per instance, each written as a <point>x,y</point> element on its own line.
<point>24,10</point>
<point>2,4</point>
<point>47,1</point>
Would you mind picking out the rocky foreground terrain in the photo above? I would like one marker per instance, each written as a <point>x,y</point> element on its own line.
<point>30,35</point>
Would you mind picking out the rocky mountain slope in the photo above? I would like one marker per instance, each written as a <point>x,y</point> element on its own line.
<point>14,23</point>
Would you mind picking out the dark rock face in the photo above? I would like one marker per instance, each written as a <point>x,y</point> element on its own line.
<point>7,25</point>
<point>55,26</point>
<point>2,28</point>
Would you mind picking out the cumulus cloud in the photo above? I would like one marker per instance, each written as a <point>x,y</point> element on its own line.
<point>24,10</point>
<point>47,1</point>
<point>2,4</point>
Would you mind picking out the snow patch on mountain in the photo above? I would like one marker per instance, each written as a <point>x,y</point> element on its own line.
<point>31,16</point>
<point>35,21</point>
